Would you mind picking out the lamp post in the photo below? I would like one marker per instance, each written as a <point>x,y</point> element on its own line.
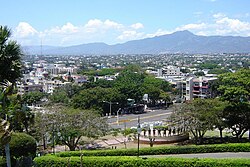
<point>110,106</point>
<point>53,137</point>
<point>138,132</point>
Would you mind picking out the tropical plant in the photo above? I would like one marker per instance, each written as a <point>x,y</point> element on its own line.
<point>10,57</point>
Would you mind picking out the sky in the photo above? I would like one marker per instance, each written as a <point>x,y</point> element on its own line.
<point>65,22</point>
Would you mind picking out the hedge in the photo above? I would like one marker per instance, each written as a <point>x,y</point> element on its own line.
<point>54,161</point>
<point>232,147</point>
<point>22,144</point>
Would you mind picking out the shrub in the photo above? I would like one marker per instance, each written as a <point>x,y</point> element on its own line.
<point>21,145</point>
<point>234,147</point>
<point>2,162</point>
<point>138,162</point>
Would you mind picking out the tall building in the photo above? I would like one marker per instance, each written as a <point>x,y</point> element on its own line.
<point>198,87</point>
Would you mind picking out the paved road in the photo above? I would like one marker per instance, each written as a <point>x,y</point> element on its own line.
<point>152,116</point>
<point>206,155</point>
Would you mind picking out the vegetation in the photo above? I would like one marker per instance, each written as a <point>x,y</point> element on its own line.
<point>10,56</point>
<point>67,126</point>
<point>131,83</point>
<point>235,88</point>
<point>31,98</point>
<point>22,144</point>
<point>199,116</point>
<point>101,72</point>
<point>134,161</point>
<point>188,149</point>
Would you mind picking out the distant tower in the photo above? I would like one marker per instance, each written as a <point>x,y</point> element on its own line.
<point>41,47</point>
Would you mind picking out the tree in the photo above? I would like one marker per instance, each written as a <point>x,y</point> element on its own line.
<point>154,88</point>
<point>199,73</point>
<point>129,83</point>
<point>33,97</point>
<point>10,57</point>
<point>164,97</point>
<point>69,125</point>
<point>20,116</point>
<point>10,63</point>
<point>235,88</point>
<point>7,88</point>
<point>197,117</point>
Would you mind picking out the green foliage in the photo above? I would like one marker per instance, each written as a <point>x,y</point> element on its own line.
<point>59,96</point>
<point>102,83</point>
<point>22,144</point>
<point>101,72</point>
<point>2,162</point>
<point>232,147</point>
<point>198,116</point>
<point>218,71</point>
<point>68,125</point>
<point>138,162</point>
<point>129,84</point>
<point>93,98</point>
<point>64,94</point>
<point>208,65</point>
<point>200,73</point>
<point>235,88</point>
<point>10,56</point>
<point>33,97</point>
<point>128,131</point>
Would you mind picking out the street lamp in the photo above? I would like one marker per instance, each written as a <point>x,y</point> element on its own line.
<point>138,131</point>
<point>110,106</point>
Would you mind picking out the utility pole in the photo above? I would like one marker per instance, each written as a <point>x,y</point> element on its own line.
<point>110,106</point>
<point>138,131</point>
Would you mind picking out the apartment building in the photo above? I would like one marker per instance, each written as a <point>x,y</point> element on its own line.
<point>198,87</point>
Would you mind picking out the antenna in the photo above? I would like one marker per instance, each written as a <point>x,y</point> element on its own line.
<point>41,47</point>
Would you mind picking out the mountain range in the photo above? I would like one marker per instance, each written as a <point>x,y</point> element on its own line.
<point>177,42</point>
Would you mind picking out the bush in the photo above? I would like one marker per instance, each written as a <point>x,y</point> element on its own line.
<point>54,161</point>
<point>22,145</point>
<point>2,162</point>
<point>234,147</point>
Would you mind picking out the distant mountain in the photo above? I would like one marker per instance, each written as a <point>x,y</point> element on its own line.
<point>178,42</point>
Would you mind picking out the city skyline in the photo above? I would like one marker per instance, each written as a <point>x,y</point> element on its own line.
<point>63,23</point>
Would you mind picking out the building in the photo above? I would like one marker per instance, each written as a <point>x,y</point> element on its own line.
<point>25,88</point>
<point>198,88</point>
<point>169,71</point>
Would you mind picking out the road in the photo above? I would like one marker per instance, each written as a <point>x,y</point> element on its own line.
<point>132,119</point>
<point>206,155</point>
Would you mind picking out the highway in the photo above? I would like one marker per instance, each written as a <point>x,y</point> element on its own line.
<point>131,120</point>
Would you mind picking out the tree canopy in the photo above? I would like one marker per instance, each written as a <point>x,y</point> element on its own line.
<point>235,88</point>
<point>10,56</point>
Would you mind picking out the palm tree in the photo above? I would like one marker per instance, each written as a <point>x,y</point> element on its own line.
<point>10,56</point>
<point>10,63</point>
<point>7,88</point>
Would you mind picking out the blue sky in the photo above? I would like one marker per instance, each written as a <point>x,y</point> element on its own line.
<point>64,22</point>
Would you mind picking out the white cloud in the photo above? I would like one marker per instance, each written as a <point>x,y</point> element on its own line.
<point>191,27</point>
<point>112,32</point>
<point>219,15</point>
<point>137,26</point>
<point>220,25</point>
<point>24,30</point>
<point>94,30</point>
<point>130,35</point>
<point>234,25</point>
<point>67,29</point>
<point>96,24</point>
<point>159,32</point>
